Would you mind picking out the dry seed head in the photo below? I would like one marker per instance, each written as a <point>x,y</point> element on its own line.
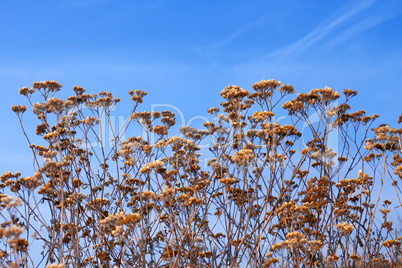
<point>55,265</point>
<point>53,86</point>
<point>344,228</point>
<point>243,156</point>
<point>287,89</point>
<point>332,258</point>
<point>13,231</point>
<point>295,235</point>
<point>8,201</point>
<point>315,245</point>
<point>156,165</point>
<point>332,112</point>
<point>167,193</point>
<point>391,243</point>
<point>78,90</point>
<point>349,93</point>
<point>160,130</point>
<point>270,261</point>
<point>228,181</point>
<point>213,110</point>
<point>55,105</point>
<point>268,84</point>
<point>18,109</point>
<point>261,116</point>
<point>141,115</point>
<point>148,194</point>
<point>118,230</point>
<point>26,91</point>
<point>327,94</point>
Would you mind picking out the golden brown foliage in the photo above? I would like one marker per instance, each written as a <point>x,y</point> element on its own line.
<point>264,195</point>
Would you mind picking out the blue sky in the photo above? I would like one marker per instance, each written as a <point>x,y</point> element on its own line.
<point>185,52</point>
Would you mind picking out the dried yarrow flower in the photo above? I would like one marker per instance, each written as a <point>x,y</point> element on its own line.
<point>345,228</point>
<point>18,109</point>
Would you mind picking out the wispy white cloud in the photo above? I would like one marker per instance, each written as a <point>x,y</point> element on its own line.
<point>233,36</point>
<point>332,24</point>
<point>373,20</point>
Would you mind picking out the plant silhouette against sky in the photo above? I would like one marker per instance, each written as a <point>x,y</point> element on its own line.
<point>262,198</point>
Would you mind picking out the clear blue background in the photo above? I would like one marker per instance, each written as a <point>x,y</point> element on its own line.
<point>185,52</point>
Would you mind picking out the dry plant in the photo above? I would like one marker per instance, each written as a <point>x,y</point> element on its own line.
<point>265,198</point>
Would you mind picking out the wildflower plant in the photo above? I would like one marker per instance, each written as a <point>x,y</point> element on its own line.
<point>270,194</point>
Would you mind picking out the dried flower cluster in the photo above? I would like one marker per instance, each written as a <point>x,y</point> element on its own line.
<point>265,194</point>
